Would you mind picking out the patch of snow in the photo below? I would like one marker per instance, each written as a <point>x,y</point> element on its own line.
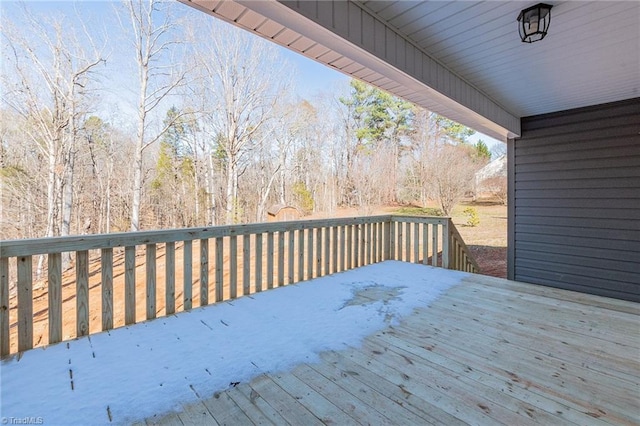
<point>134,372</point>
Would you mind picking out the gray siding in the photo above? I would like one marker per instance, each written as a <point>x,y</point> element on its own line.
<point>575,200</point>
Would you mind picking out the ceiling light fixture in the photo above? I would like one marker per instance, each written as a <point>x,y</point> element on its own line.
<point>533,22</point>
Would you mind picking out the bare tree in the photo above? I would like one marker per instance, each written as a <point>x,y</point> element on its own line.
<point>151,29</point>
<point>49,87</point>
<point>453,168</point>
<point>244,77</point>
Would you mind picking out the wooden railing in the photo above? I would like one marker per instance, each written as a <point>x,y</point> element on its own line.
<point>101,290</point>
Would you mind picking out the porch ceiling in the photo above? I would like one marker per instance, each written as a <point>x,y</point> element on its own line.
<point>468,61</point>
<point>590,56</point>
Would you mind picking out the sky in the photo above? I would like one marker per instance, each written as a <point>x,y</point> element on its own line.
<point>172,359</point>
<point>311,78</point>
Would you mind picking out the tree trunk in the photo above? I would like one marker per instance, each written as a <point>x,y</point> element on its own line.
<point>52,180</point>
<point>232,182</point>
<point>212,191</point>
<point>137,162</point>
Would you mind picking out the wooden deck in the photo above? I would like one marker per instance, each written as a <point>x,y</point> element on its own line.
<point>489,351</point>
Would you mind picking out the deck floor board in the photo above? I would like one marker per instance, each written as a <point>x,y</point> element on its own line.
<point>488,351</point>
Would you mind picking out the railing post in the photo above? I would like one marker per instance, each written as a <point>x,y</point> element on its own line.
<point>4,307</point>
<point>446,243</point>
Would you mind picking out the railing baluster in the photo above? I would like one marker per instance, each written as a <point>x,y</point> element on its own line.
<point>310,254</point>
<point>425,243</point>
<point>233,267</point>
<point>55,297</point>
<point>219,255</point>
<point>374,243</point>
<point>82,292</point>
<point>343,247</point>
<point>327,251</point>
<point>129,285</point>
<point>170,278</point>
<point>258,262</point>
<point>246,264</point>
<point>334,249</point>
<point>348,250</point>
<point>25,303</point>
<point>446,238</point>
<point>300,254</point>
<point>151,281</point>
<point>392,240</point>
<point>356,245</point>
<point>363,243</point>
<point>281,252</point>
<point>400,240</point>
<point>270,252</point>
<point>106,264</point>
<point>416,242</point>
<point>367,242</point>
<point>407,242</point>
<point>291,256</point>
<point>5,342</point>
<point>187,273</point>
<point>381,240</point>
<point>319,252</point>
<point>434,244</point>
<point>204,272</point>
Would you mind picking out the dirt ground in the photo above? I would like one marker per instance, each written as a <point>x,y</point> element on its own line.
<point>487,242</point>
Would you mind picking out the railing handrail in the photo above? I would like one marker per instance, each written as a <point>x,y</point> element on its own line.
<point>453,231</point>
<point>46,245</point>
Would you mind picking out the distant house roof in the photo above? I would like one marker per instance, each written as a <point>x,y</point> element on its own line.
<point>275,209</point>
<point>496,168</point>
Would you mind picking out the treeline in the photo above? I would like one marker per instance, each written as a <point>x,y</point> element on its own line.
<point>206,130</point>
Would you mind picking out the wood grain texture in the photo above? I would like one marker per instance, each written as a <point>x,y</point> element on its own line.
<point>150,267</point>
<point>318,252</point>
<point>301,241</point>
<point>246,264</point>
<point>219,269</point>
<point>55,297</point>
<point>310,261</point>
<point>5,342</point>
<point>204,272</point>
<point>281,252</point>
<point>270,259</point>
<point>233,267</point>
<point>25,303</point>
<point>258,260</point>
<point>129,285</point>
<point>291,257</point>
<point>82,292</point>
<point>187,274</point>
<point>106,267</point>
<point>466,358</point>
<point>170,278</point>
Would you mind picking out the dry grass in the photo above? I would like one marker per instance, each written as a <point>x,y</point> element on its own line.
<point>488,240</point>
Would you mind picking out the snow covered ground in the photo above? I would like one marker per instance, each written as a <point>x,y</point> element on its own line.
<point>135,372</point>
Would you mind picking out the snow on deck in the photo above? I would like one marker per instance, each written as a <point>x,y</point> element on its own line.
<point>134,372</point>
